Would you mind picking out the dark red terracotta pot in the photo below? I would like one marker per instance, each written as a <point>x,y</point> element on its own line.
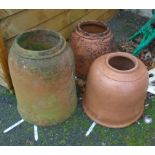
<point>89,40</point>
<point>116,89</point>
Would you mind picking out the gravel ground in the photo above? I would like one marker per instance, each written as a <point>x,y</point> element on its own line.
<point>72,131</point>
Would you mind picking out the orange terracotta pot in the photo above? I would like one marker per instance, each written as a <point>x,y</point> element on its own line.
<point>116,89</point>
<point>89,40</point>
<point>42,70</point>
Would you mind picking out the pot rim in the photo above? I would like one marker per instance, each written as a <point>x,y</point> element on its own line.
<point>92,36</point>
<point>125,55</point>
<point>40,54</point>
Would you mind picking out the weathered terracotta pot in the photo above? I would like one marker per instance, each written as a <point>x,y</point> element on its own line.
<point>116,89</point>
<point>42,70</point>
<point>89,40</point>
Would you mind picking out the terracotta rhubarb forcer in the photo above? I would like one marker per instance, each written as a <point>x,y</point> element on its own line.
<point>89,40</point>
<point>42,70</point>
<point>116,89</point>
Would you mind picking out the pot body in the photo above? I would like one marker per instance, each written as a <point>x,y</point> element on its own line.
<point>116,90</point>
<point>89,40</point>
<point>42,70</point>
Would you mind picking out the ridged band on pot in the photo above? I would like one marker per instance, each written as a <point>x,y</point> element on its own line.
<point>116,90</point>
<point>90,39</point>
<point>42,70</point>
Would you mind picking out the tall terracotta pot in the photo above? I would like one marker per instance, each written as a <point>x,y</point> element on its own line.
<point>116,89</point>
<point>42,70</point>
<point>89,40</point>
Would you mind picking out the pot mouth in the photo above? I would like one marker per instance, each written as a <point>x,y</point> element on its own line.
<point>92,28</point>
<point>121,62</point>
<point>39,43</point>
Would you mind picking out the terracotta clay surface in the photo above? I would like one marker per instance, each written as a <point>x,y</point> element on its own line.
<point>89,40</point>
<point>116,89</point>
<point>42,70</point>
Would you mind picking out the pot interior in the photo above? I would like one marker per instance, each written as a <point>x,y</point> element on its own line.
<point>93,28</point>
<point>37,40</point>
<point>121,63</point>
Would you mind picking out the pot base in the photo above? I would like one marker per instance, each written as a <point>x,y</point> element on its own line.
<point>92,116</point>
<point>44,122</point>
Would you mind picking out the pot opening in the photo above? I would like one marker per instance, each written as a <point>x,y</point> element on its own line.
<point>121,63</point>
<point>93,28</point>
<point>37,40</point>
